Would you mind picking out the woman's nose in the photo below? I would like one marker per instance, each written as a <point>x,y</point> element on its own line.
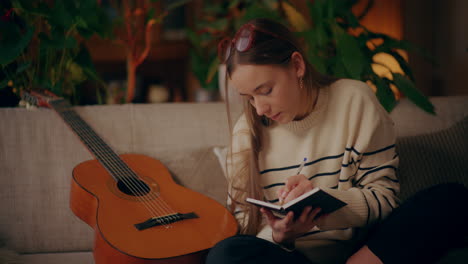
<point>261,107</point>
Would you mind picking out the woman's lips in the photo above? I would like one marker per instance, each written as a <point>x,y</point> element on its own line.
<point>275,117</point>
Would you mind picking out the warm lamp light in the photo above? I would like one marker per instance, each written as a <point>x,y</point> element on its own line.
<point>384,64</point>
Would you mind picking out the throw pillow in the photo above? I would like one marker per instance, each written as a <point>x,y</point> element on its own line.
<point>433,158</point>
<point>221,154</point>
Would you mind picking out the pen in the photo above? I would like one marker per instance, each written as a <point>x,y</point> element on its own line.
<point>298,172</point>
<point>301,166</point>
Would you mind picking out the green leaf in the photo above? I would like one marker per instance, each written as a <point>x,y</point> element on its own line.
<point>350,54</point>
<point>176,4</point>
<point>384,93</point>
<point>13,47</point>
<point>212,71</point>
<point>4,83</point>
<point>60,17</point>
<point>257,10</point>
<point>339,70</point>
<point>151,14</point>
<point>316,10</point>
<point>403,64</point>
<point>318,63</point>
<point>407,88</point>
<point>84,60</point>
<point>233,3</point>
<point>22,67</point>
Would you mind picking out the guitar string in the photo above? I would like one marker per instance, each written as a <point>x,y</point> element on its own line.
<point>115,166</point>
<point>122,167</point>
<point>110,162</point>
<point>129,184</point>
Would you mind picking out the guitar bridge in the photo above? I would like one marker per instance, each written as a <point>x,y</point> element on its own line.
<point>164,220</point>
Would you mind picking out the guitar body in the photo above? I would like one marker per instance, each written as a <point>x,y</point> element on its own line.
<point>97,200</point>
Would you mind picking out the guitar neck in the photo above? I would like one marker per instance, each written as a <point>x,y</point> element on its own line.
<point>95,144</point>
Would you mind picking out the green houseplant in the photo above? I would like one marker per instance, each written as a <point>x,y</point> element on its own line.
<point>339,45</point>
<point>42,45</point>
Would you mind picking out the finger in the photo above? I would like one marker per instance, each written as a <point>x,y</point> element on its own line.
<point>292,181</point>
<point>288,220</point>
<point>305,214</point>
<point>296,192</point>
<point>269,215</point>
<point>323,217</point>
<point>313,214</point>
<point>282,193</point>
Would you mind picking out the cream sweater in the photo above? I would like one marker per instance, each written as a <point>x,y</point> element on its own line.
<point>349,143</point>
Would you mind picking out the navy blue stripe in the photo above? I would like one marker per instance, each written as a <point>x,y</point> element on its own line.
<point>324,174</point>
<point>305,165</point>
<point>388,202</point>
<point>354,150</point>
<point>273,201</point>
<point>377,151</point>
<point>320,231</point>
<point>375,170</point>
<point>393,180</point>
<point>310,178</point>
<point>334,187</point>
<point>311,233</point>
<point>273,185</point>
<point>391,189</point>
<point>328,157</point>
<point>378,202</point>
<point>368,209</point>
<point>238,212</point>
<point>367,168</point>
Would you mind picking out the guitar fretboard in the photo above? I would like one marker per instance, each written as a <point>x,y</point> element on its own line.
<point>95,144</point>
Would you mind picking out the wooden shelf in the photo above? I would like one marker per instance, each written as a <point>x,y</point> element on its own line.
<point>106,51</point>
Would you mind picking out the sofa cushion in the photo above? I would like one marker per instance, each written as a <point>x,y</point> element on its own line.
<point>57,258</point>
<point>433,158</point>
<point>198,170</point>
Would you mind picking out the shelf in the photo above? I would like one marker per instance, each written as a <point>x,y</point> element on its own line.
<point>106,51</point>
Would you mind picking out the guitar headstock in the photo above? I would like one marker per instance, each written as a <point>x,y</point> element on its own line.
<point>40,99</point>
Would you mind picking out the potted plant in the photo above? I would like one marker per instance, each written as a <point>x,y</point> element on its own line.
<point>42,45</point>
<point>339,45</point>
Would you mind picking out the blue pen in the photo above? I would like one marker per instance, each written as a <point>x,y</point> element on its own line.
<point>301,166</point>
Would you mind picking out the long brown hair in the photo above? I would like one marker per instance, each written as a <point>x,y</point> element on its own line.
<point>266,49</point>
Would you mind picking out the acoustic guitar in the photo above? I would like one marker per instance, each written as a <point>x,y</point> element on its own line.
<point>139,214</point>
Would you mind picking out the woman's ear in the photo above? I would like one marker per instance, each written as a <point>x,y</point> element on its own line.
<point>298,64</point>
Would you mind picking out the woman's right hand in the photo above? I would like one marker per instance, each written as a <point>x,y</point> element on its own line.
<point>294,187</point>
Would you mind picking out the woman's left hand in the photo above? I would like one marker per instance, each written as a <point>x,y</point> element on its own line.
<point>286,230</point>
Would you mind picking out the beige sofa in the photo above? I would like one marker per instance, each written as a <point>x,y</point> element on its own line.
<point>38,153</point>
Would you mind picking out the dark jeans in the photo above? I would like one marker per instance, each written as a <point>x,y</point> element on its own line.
<point>421,230</point>
<point>425,227</point>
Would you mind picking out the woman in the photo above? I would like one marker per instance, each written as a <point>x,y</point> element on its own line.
<point>292,112</point>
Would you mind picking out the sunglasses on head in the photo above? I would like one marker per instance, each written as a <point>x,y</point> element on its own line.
<point>242,41</point>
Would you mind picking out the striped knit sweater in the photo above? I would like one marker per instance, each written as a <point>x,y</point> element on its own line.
<point>349,143</point>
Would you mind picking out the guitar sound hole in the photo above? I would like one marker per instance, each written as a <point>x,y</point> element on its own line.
<point>133,186</point>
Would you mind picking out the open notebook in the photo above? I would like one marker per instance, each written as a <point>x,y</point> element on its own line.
<point>315,198</point>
